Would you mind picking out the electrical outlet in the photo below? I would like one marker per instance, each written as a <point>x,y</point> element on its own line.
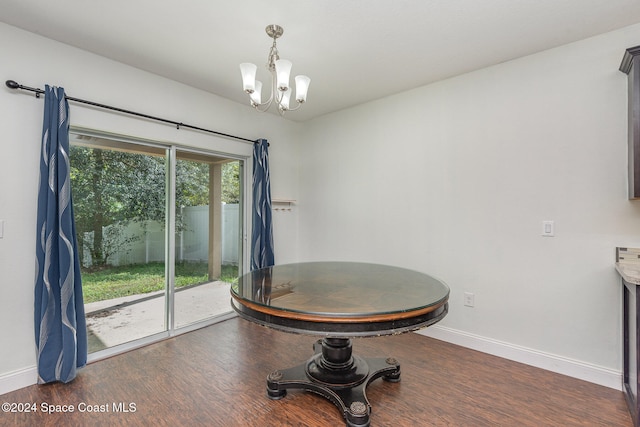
<point>469,299</point>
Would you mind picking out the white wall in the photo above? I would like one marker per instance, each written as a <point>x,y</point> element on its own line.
<point>454,179</point>
<point>35,61</point>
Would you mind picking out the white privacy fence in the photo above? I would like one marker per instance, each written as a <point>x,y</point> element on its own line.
<point>192,242</point>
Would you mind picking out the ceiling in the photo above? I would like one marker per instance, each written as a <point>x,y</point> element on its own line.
<point>354,50</point>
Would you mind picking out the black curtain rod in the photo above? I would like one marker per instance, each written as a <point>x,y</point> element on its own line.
<point>12,84</point>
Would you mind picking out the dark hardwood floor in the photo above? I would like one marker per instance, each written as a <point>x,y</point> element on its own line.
<point>216,377</point>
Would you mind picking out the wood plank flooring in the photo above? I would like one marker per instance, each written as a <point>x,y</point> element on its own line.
<point>216,377</point>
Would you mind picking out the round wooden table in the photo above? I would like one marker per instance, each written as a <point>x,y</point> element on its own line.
<point>339,301</point>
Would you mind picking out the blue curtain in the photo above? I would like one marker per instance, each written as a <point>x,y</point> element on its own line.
<point>60,326</point>
<point>262,235</point>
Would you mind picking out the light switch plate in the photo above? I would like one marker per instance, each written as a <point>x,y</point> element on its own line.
<point>548,229</point>
<point>1,228</point>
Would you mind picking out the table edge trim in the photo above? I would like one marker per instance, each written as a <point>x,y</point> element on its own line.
<point>295,315</point>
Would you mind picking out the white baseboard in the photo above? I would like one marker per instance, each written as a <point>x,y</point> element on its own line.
<point>562,365</point>
<point>18,379</point>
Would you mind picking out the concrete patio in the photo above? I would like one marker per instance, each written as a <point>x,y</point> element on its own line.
<point>120,320</point>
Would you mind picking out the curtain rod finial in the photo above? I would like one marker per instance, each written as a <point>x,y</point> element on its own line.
<point>12,84</point>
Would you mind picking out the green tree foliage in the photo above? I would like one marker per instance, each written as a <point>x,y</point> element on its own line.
<point>112,188</point>
<point>231,182</point>
<point>192,183</point>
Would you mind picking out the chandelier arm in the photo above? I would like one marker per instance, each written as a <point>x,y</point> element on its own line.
<point>264,106</point>
<point>299,104</point>
<point>278,98</point>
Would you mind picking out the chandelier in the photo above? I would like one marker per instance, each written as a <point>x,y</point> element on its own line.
<point>280,70</point>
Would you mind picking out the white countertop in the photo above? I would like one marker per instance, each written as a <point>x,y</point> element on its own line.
<point>629,272</point>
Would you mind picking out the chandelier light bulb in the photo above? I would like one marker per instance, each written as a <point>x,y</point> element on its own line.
<point>302,87</point>
<point>283,70</point>
<point>284,103</point>
<point>256,95</point>
<point>248,72</point>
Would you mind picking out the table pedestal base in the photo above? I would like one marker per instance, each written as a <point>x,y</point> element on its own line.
<point>335,373</point>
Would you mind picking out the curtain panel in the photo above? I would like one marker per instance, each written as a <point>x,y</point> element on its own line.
<point>262,234</point>
<point>60,325</point>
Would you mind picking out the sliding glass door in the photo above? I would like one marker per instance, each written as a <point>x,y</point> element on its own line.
<point>208,232</point>
<point>159,232</point>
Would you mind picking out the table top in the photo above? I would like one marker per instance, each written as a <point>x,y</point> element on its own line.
<point>340,298</point>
